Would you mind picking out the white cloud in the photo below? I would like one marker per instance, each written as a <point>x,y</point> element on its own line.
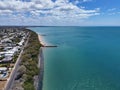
<point>87,0</point>
<point>6,12</point>
<point>112,9</point>
<point>44,10</point>
<point>81,1</point>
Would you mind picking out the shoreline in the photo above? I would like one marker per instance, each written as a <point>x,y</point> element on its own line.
<point>38,79</point>
<point>41,67</point>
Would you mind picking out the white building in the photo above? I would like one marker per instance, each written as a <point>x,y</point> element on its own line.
<point>21,42</point>
<point>3,69</point>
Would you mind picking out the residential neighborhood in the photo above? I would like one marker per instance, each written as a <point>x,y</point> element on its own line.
<point>12,41</point>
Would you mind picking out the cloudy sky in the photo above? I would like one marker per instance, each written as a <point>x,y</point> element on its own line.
<point>60,12</point>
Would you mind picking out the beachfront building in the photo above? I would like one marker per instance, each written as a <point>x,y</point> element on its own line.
<point>7,59</point>
<point>11,43</point>
<point>3,73</point>
<point>21,42</point>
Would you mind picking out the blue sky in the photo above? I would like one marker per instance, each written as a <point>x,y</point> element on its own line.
<point>60,12</point>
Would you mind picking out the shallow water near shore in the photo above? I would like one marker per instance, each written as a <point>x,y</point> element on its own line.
<point>87,58</point>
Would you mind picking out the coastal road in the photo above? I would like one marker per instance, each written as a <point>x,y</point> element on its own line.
<point>11,78</point>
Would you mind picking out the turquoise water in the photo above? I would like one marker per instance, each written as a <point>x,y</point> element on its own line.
<point>87,58</point>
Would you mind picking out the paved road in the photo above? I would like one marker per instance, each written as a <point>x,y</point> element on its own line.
<point>11,78</point>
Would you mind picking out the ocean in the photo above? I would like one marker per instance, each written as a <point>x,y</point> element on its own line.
<point>87,58</point>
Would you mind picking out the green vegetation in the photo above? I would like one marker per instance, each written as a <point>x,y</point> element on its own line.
<point>30,61</point>
<point>15,57</point>
<point>2,57</point>
<point>17,39</point>
<point>1,49</point>
<point>5,65</point>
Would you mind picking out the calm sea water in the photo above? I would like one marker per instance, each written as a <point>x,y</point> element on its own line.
<point>87,58</point>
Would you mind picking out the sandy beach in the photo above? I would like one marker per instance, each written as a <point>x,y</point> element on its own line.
<point>40,39</point>
<point>42,42</point>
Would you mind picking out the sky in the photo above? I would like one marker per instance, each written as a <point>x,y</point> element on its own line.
<point>60,12</point>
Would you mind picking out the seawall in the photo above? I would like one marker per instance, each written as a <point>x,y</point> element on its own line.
<point>41,67</point>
